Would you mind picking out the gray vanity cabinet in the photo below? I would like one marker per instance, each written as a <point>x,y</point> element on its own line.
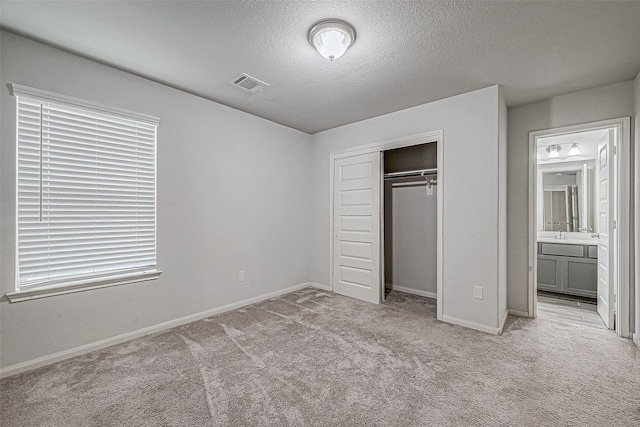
<point>568,269</point>
<point>549,273</point>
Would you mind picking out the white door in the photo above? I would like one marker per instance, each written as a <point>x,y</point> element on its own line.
<point>606,209</point>
<point>356,227</point>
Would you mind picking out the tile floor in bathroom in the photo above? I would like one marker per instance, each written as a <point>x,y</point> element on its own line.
<point>580,311</point>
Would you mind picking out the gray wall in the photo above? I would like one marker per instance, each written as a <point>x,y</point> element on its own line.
<point>233,193</point>
<point>471,224</point>
<point>410,230</point>
<point>606,102</point>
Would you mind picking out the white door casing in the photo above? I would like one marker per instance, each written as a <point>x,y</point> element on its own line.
<point>356,226</point>
<point>606,209</point>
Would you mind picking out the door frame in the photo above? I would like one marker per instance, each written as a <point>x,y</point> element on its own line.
<point>622,217</point>
<point>379,147</point>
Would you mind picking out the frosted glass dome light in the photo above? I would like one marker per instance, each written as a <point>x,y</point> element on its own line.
<point>332,38</point>
<point>554,151</point>
<point>574,150</point>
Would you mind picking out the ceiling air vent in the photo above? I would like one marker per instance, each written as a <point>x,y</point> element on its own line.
<point>249,83</point>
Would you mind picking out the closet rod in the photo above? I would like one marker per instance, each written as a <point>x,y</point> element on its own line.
<point>410,173</point>
<point>414,184</point>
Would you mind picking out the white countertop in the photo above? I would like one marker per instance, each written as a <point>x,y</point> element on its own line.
<point>590,242</point>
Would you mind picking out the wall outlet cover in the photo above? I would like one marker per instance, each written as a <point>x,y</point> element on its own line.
<point>241,276</point>
<point>477,292</point>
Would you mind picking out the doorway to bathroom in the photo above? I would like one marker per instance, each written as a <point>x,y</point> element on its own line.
<point>579,215</point>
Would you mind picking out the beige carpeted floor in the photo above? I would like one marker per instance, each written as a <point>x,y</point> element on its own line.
<point>311,358</point>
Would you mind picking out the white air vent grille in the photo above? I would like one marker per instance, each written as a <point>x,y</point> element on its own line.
<point>248,83</point>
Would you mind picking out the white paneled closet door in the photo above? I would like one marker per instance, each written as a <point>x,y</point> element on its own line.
<point>606,230</point>
<point>356,227</point>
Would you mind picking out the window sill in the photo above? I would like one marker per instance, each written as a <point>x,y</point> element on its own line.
<point>82,285</point>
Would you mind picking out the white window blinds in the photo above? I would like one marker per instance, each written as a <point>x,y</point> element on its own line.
<point>86,193</point>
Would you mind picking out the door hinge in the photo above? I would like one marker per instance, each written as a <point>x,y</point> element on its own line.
<point>615,224</point>
<point>615,150</point>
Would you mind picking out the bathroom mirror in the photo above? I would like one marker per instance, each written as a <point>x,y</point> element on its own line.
<point>565,194</point>
<point>560,195</point>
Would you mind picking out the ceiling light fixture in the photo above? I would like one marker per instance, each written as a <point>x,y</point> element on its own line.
<point>574,150</point>
<point>332,37</point>
<point>554,151</point>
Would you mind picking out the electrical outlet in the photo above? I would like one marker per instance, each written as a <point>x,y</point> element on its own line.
<point>241,276</point>
<point>477,292</point>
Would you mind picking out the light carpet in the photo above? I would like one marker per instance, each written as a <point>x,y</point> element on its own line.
<point>312,358</point>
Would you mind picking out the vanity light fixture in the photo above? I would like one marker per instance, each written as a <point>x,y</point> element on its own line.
<point>332,37</point>
<point>554,151</point>
<point>574,150</point>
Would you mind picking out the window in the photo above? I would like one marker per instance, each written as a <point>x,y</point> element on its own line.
<point>86,194</point>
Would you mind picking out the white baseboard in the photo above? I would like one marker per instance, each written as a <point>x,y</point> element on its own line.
<point>503,321</point>
<point>471,325</point>
<point>319,286</point>
<point>413,291</point>
<point>636,338</point>
<point>518,313</point>
<point>98,345</point>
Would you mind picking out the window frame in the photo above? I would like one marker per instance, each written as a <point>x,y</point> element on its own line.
<point>77,284</point>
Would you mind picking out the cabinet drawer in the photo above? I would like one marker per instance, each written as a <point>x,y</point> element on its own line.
<point>562,250</point>
<point>592,251</point>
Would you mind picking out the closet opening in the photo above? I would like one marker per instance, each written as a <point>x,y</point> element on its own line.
<point>387,220</point>
<point>410,195</point>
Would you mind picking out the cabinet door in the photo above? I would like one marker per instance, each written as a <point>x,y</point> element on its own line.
<point>549,273</point>
<point>582,277</point>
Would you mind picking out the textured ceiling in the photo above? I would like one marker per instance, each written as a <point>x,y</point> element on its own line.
<point>405,54</point>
